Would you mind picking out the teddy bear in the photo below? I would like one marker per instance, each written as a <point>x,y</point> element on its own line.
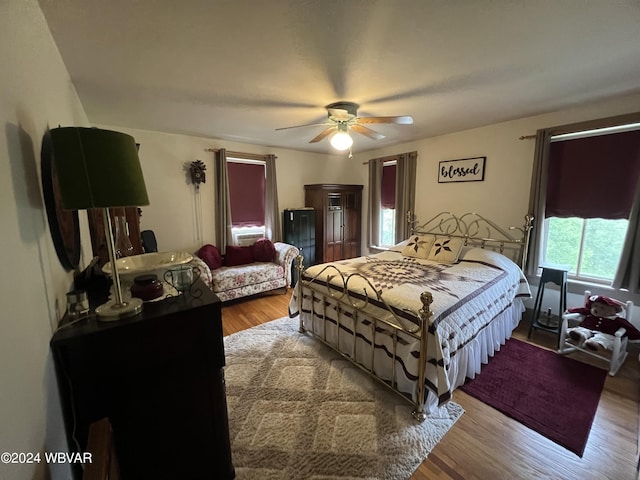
<point>600,322</point>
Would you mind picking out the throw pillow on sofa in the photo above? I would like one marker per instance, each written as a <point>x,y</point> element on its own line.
<point>263,250</point>
<point>210,255</point>
<point>236,255</point>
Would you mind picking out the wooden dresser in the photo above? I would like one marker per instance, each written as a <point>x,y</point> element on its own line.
<point>338,220</point>
<point>158,377</point>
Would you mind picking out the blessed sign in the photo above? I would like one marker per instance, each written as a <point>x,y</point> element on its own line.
<point>462,170</point>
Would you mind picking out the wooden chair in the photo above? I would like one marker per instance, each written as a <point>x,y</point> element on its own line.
<point>104,465</point>
<point>616,357</point>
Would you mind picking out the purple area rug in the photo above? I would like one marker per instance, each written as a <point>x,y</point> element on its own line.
<point>552,394</point>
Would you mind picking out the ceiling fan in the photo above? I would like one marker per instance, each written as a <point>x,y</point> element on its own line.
<point>343,117</point>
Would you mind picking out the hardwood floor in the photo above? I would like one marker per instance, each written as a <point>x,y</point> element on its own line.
<point>485,444</point>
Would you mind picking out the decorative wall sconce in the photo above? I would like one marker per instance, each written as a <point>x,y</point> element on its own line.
<point>198,175</point>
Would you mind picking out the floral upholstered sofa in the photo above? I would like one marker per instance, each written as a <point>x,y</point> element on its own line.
<point>245,271</point>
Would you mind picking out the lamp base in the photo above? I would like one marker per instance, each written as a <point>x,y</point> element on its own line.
<point>112,311</point>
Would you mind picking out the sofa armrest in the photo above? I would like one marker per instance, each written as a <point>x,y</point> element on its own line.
<point>205,271</point>
<point>285,255</point>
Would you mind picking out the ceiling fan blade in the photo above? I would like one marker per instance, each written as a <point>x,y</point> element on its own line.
<point>402,120</point>
<point>367,132</point>
<point>322,134</point>
<point>307,125</point>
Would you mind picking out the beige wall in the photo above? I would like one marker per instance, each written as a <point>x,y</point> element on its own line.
<point>504,194</point>
<point>35,93</point>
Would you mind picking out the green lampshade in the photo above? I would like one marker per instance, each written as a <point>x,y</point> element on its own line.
<point>97,168</point>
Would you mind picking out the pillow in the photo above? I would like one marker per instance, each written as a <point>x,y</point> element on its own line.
<point>263,250</point>
<point>210,255</point>
<point>418,246</point>
<point>237,255</point>
<point>398,247</point>
<point>446,249</point>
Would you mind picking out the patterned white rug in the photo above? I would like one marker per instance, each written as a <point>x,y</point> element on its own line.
<point>297,410</point>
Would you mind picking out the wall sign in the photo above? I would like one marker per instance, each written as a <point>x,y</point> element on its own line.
<point>462,170</point>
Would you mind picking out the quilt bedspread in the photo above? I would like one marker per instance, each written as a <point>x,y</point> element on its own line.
<point>467,295</point>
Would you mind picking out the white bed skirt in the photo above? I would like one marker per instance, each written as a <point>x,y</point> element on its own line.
<point>469,360</point>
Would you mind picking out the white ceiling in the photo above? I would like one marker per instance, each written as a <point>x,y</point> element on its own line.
<point>238,69</point>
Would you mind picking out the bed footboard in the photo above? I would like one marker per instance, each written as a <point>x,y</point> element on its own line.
<point>407,347</point>
<point>394,328</point>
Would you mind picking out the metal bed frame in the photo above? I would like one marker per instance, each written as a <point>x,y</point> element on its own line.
<point>474,229</point>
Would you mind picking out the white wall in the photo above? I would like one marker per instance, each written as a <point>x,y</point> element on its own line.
<point>172,212</point>
<point>35,93</point>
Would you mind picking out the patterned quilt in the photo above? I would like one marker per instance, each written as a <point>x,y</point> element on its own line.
<point>467,295</point>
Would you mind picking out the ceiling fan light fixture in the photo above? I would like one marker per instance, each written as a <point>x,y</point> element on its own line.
<point>341,140</point>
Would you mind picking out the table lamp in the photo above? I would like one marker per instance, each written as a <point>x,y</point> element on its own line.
<point>100,169</point>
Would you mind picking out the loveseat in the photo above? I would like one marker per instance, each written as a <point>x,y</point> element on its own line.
<point>246,271</point>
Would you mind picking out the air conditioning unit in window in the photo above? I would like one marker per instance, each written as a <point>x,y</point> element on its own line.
<point>245,239</point>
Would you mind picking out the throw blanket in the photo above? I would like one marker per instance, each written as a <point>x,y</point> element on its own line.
<point>466,297</point>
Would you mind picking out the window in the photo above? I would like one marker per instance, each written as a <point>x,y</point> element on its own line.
<point>591,179</point>
<point>388,205</point>
<point>591,246</point>
<point>247,184</point>
<point>392,187</point>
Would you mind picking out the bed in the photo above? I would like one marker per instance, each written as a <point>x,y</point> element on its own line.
<point>425,314</point>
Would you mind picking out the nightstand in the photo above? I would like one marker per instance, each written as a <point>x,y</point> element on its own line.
<point>556,274</point>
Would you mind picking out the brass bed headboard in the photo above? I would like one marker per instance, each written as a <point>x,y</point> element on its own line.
<point>478,231</point>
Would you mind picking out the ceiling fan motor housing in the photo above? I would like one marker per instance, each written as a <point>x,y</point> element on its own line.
<point>343,118</point>
<point>342,111</point>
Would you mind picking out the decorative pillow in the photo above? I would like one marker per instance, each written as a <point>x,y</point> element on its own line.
<point>398,247</point>
<point>210,255</point>
<point>263,250</point>
<point>237,255</point>
<point>418,246</point>
<point>446,249</point>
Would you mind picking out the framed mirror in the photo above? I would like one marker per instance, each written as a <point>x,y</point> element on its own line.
<point>63,224</point>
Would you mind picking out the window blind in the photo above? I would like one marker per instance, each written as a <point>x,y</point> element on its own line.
<point>593,177</point>
<point>247,193</point>
<point>388,192</point>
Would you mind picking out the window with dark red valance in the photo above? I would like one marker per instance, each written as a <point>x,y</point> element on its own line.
<point>593,177</point>
<point>388,192</point>
<point>247,193</point>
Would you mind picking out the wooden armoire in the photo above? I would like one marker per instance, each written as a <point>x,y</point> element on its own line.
<point>338,220</point>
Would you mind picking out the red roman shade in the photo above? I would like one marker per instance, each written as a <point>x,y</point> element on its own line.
<point>593,177</point>
<point>247,193</point>
<point>388,193</point>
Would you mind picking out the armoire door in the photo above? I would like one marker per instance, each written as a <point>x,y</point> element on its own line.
<point>337,208</point>
<point>334,227</point>
<point>351,222</point>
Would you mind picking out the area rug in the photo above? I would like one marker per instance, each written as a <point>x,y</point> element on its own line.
<point>298,410</point>
<point>552,394</point>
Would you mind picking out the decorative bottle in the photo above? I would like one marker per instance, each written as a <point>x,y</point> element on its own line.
<point>124,248</point>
